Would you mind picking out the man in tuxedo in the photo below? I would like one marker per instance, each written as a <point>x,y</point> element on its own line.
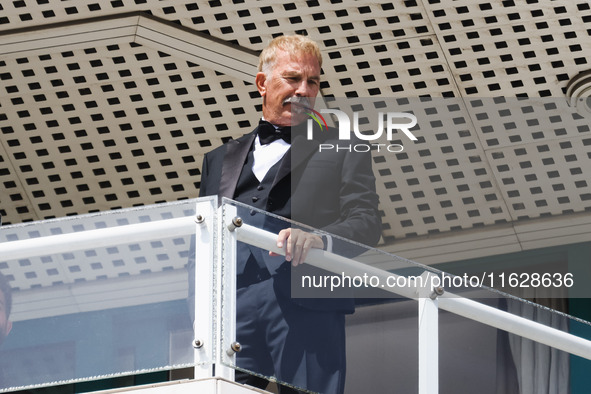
<point>279,170</point>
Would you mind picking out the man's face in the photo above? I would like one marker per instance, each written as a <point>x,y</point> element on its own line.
<point>293,75</point>
<point>5,324</point>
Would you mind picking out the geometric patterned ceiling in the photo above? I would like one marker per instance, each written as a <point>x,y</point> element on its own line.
<point>110,104</point>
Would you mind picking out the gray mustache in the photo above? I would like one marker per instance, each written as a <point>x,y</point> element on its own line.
<point>299,101</point>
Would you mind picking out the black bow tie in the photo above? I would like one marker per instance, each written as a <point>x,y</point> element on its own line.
<point>268,133</point>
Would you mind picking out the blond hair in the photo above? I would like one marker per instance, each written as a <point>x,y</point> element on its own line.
<point>294,44</point>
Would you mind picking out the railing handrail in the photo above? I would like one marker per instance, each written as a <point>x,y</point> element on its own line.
<point>448,301</point>
<point>328,261</point>
<point>90,239</point>
<point>319,258</point>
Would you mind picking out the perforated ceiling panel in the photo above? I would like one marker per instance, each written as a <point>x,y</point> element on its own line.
<point>126,120</point>
<point>88,134</point>
<point>443,181</point>
<point>508,48</point>
<point>539,150</point>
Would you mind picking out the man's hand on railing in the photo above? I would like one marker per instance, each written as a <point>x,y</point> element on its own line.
<point>297,244</point>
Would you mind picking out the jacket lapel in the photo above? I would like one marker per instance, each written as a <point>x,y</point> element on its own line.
<point>237,151</point>
<point>234,160</point>
<point>301,149</point>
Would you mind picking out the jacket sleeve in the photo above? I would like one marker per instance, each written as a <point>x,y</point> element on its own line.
<point>359,218</point>
<point>336,193</point>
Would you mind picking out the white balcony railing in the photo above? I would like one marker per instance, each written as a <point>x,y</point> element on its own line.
<point>128,268</point>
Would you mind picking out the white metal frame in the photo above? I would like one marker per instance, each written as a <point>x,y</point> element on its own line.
<point>215,288</point>
<point>205,253</point>
<point>97,238</point>
<point>430,301</point>
<point>226,300</point>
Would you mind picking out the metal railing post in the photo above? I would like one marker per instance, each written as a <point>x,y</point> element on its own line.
<point>226,293</point>
<point>428,336</point>
<point>215,292</point>
<point>203,340</point>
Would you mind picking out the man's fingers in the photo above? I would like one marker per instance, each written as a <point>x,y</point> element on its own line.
<point>292,250</point>
<point>301,252</point>
<point>283,236</point>
<point>297,250</point>
<point>297,244</point>
<point>303,244</point>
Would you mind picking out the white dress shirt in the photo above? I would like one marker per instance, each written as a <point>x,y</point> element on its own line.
<point>266,156</point>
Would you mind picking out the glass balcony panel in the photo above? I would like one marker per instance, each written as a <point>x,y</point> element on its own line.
<point>526,361</point>
<point>382,345</point>
<point>97,306</point>
<point>380,325</point>
<point>475,357</point>
<point>381,335</point>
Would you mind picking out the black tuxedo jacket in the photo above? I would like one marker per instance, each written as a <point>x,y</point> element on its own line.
<point>331,190</point>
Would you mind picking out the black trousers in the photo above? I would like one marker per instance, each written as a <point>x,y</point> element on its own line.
<point>295,345</point>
